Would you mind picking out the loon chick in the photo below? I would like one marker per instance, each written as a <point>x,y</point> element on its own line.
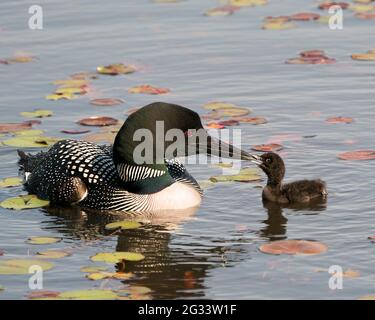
<point>137,174</point>
<point>297,192</point>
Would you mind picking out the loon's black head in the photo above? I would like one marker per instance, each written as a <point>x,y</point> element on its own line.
<point>161,131</point>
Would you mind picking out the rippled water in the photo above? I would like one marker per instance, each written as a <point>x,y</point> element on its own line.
<point>214,255</point>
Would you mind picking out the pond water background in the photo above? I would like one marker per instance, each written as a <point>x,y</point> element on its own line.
<point>202,59</point>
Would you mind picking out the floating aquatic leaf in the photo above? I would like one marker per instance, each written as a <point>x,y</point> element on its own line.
<point>40,294</point>
<point>53,254</point>
<point>43,240</point>
<point>205,184</point>
<point>245,175</point>
<point>333,120</point>
<point>365,15</point>
<point>23,202</point>
<point>13,127</point>
<point>115,69</point>
<point>214,125</point>
<point>91,294</point>
<point>226,112</point>
<point>305,16</point>
<point>71,83</point>
<point>372,238</point>
<point>361,8</point>
<point>219,105</point>
<point>70,90</point>
<point>32,133</point>
<point>294,247</point>
<point>364,56</point>
<point>109,275</point>
<point>329,4</point>
<point>1,252</point>
<point>267,147</point>
<point>271,25</point>
<point>98,121</point>
<point>11,182</point>
<point>230,122</point>
<point>123,225</point>
<point>367,297</point>
<point>248,3</point>
<point>19,58</point>
<point>22,266</point>
<point>93,269</point>
<point>148,90</point>
<point>60,96</point>
<point>222,11</point>
<point>31,141</point>
<point>2,288</point>
<point>252,120</point>
<point>106,102</point>
<point>39,113</point>
<point>357,155</point>
<point>115,257</point>
<point>75,131</point>
<point>105,137</point>
<point>350,273</point>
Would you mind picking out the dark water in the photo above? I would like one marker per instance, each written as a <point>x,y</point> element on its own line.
<point>202,59</point>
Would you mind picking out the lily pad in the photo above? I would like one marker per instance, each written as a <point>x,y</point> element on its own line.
<point>14,127</point>
<point>106,102</point>
<point>248,3</point>
<point>252,120</point>
<point>60,96</point>
<point>245,175</point>
<point>39,113</point>
<point>70,90</point>
<point>357,155</point>
<point>294,247</point>
<point>115,69</point>
<point>115,257</point>
<point>267,147</point>
<point>31,142</point>
<point>11,182</point>
<point>21,266</point>
<point>53,254</point>
<point>91,294</point>
<point>98,121</point>
<point>109,275</point>
<point>93,269</point>
<point>222,11</point>
<point>148,89</point>
<point>333,120</point>
<point>71,83</point>
<point>364,56</point>
<point>23,202</point>
<point>31,133</point>
<point>75,131</point>
<point>42,294</point>
<point>123,225</point>
<point>43,240</point>
<point>305,16</point>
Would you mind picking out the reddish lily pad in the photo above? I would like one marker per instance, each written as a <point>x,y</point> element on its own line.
<point>75,131</point>
<point>312,53</point>
<point>267,147</point>
<point>294,247</point>
<point>214,125</point>
<point>1,252</point>
<point>147,89</point>
<point>252,120</point>
<point>42,294</point>
<point>222,11</point>
<point>365,15</point>
<point>329,4</point>
<point>98,121</point>
<point>115,69</point>
<point>305,16</point>
<point>229,122</point>
<point>333,120</point>
<point>357,155</point>
<point>13,127</point>
<point>106,102</point>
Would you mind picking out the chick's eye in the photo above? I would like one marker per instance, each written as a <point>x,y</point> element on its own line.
<point>268,160</point>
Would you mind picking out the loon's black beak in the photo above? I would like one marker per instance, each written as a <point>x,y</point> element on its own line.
<point>219,148</point>
<point>257,160</point>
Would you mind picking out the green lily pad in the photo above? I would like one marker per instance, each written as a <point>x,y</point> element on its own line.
<point>245,175</point>
<point>22,266</point>
<point>43,240</point>
<point>127,224</point>
<point>53,254</point>
<point>2,288</point>
<point>31,142</point>
<point>29,201</point>
<point>115,257</point>
<point>39,113</point>
<point>11,182</point>
<point>93,294</point>
<point>109,275</point>
<point>31,133</point>
<point>93,269</point>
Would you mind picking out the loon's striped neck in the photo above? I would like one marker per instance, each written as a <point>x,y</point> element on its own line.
<point>144,179</point>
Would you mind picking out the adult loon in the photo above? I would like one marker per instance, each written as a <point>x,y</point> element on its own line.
<point>110,178</point>
<point>297,192</point>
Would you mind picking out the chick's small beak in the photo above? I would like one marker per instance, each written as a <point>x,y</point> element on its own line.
<point>256,160</point>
